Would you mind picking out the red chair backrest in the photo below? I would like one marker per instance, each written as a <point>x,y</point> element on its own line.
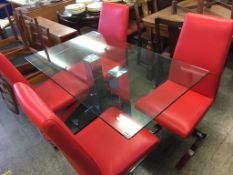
<point>53,128</point>
<point>9,72</point>
<point>204,41</point>
<point>113,22</point>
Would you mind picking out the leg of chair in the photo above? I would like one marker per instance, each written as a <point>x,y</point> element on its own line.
<point>199,138</point>
<point>135,166</point>
<point>11,22</point>
<point>158,72</point>
<point>174,7</point>
<point>3,33</point>
<point>138,56</point>
<point>156,128</point>
<point>149,71</point>
<point>232,11</point>
<point>139,50</point>
<point>8,96</point>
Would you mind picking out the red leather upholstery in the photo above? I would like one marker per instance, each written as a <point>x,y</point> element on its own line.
<point>57,100</point>
<point>113,21</point>
<point>113,153</point>
<point>204,42</point>
<point>159,98</point>
<point>113,25</point>
<point>182,116</point>
<point>97,149</point>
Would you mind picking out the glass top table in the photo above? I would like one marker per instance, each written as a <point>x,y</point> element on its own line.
<point>107,75</point>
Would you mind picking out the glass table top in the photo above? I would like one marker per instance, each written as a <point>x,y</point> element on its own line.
<point>104,74</point>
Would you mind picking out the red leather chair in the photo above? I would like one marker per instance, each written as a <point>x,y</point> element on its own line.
<point>113,21</point>
<point>97,149</point>
<point>113,25</point>
<point>204,42</point>
<point>59,101</point>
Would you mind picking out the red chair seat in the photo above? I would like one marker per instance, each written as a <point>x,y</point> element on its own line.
<point>97,149</point>
<point>183,115</point>
<point>159,98</point>
<point>113,22</point>
<point>113,153</point>
<point>59,97</point>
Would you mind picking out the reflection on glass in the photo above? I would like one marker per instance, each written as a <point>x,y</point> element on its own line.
<point>91,58</point>
<point>117,71</point>
<point>91,44</point>
<point>127,125</point>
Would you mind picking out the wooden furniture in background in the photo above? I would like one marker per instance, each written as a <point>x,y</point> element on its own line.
<point>59,33</point>
<point>46,11</point>
<point>11,45</point>
<point>38,37</point>
<point>6,22</point>
<point>67,21</point>
<point>174,29</point>
<point>8,96</point>
<point>200,6</point>
<point>142,9</point>
<point>221,3</point>
<point>215,10</point>
<point>81,24</point>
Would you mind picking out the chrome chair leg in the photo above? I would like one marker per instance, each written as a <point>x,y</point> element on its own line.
<point>156,128</point>
<point>135,166</point>
<point>192,150</point>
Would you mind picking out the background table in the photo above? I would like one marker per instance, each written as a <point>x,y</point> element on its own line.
<point>84,19</point>
<point>59,32</point>
<point>166,13</point>
<point>47,11</point>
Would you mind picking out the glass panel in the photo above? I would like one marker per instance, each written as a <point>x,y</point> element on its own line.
<point>102,73</point>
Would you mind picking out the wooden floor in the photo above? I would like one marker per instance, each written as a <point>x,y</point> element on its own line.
<point>24,152</point>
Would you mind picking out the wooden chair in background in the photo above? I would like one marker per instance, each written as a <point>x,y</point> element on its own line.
<point>167,34</point>
<point>8,96</point>
<point>13,40</point>
<point>40,37</point>
<point>4,23</point>
<point>31,38</point>
<point>221,3</point>
<point>200,6</point>
<point>8,21</point>
<point>173,29</point>
<point>142,9</point>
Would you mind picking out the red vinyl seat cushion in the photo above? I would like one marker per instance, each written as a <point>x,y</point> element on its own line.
<point>113,21</point>
<point>55,96</point>
<point>159,98</point>
<point>97,148</point>
<point>183,115</point>
<point>113,153</point>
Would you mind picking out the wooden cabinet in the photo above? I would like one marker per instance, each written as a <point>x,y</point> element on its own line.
<point>47,11</point>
